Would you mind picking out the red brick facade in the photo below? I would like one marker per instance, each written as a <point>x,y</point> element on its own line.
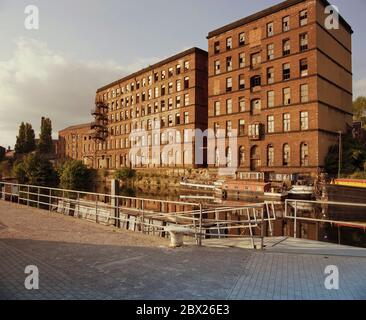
<point>295,129</point>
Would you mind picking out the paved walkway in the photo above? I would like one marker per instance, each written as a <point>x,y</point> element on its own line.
<point>81,260</point>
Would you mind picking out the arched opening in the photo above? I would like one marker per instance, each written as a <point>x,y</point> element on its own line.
<point>255,158</point>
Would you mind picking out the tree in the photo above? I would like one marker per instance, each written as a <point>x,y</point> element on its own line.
<point>359,109</point>
<point>45,137</point>
<point>74,175</point>
<point>30,141</point>
<point>34,169</point>
<point>20,143</point>
<point>353,156</point>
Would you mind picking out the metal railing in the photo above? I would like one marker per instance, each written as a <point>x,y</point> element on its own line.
<point>150,216</point>
<point>308,205</point>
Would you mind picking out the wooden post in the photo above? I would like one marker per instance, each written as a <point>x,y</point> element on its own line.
<point>114,208</point>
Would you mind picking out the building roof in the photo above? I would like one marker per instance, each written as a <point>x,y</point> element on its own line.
<point>77,126</point>
<point>261,14</point>
<point>154,66</point>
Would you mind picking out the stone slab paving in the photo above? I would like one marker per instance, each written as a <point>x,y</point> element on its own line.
<point>81,260</point>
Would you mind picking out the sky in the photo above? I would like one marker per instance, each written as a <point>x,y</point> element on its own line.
<point>82,45</point>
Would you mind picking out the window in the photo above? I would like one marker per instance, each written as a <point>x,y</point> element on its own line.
<point>178,69</point>
<point>177,102</point>
<point>241,104</point>
<point>186,118</point>
<point>304,93</point>
<point>229,43</point>
<point>286,47</point>
<point>241,60</point>
<point>163,75</point>
<point>179,87</point>
<point>216,128</point>
<point>270,75</point>
<point>255,81</point>
<point>286,122</point>
<point>255,59</point>
<point>186,65</point>
<point>304,67</point>
<point>270,155</point>
<point>304,153</point>
<point>241,127</point>
<point>229,106</point>
<point>270,51</point>
<point>217,67</point>
<point>162,90</point>
<point>170,72</point>
<point>241,156</point>
<point>286,71</point>
<point>217,108</point>
<point>177,118</point>
<point>241,39</point>
<point>270,29</point>
<point>303,42</point>
<point>286,96</point>
<point>229,84</point>
<point>156,76</point>
<point>241,82</point>
<point>286,23</point>
<point>304,120</point>
<point>229,128</point>
<point>270,124</point>
<point>229,64</point>
<point>149,80</point>
<point>253,130</point>
<point>156,93</point>
<point>286,154</point>
<point>217,47</point>
<point>170,120</point>
<point>186,99</point>
<point>255,106</point>
<point>170,103</point>
<point>270,99</point>
<point>170,88</point>
<point>162,105</point>
<point>303,17</point>
<point>186,83</point>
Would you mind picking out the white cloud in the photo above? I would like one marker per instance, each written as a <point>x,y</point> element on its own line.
<point>359,88</point>
<point>36,82</point>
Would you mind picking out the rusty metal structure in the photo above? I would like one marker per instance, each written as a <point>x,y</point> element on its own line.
<point>99,126</point>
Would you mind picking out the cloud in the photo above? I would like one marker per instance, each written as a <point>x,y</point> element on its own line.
<point>359,88</point>
<point>37,81</point>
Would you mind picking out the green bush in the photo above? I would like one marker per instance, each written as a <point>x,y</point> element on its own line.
<point>36,170</point>
<point>74,175</point>
<point>124,173</point>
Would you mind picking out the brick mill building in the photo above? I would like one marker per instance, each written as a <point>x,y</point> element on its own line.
<point>75,142</point>
<point>280,78</point>
<point>284,82</point>
<point>170,95</point>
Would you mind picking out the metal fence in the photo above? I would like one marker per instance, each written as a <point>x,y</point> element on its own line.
<point>149,216</point>
<point>322,211</point>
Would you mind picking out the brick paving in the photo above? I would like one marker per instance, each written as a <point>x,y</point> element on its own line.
<point>82,260</point>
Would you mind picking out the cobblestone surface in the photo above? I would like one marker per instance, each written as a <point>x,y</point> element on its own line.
<point>82,260</point>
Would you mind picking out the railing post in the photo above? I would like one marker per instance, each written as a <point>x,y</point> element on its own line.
<point>28,197</point>
<point>96,209</point>
<point>49,200</point>
<point>295,221</point>
<point>200,227</point>
<point>38,197</point>
<point>78,199</point>
<point>262,230</point>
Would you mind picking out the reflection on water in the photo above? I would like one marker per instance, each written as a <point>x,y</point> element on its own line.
<point>319,231</point>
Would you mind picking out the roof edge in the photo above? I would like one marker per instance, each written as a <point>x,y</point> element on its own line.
<point>156,65</point>
<point>261,14</point>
